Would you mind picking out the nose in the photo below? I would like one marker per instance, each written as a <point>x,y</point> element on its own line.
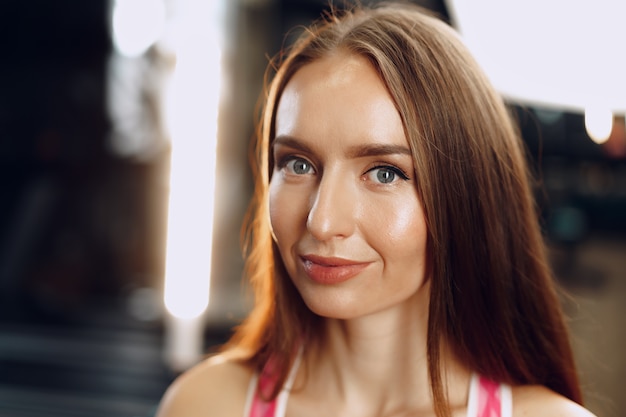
<point>333,209</point>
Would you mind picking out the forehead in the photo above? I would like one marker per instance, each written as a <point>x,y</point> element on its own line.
<point>338,96</point>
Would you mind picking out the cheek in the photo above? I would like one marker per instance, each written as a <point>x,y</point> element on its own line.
<point>406,222</point>
<point>274,210</point>
<point>403,229</point>
<point>285,211</point>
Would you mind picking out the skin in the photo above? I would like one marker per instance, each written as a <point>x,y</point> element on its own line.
<point>331,199</point>
<point>343,188</point>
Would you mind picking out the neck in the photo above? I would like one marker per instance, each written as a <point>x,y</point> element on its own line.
<point>379,362</point>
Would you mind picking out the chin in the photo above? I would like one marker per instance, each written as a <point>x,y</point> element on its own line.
<point>338,309</point>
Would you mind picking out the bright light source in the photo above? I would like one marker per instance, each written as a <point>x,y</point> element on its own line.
<point>599,124</point>
<point>192,188</point>
<point>560,53</point>
<point>184,343</point>
<point>191,112</point>
<point>137,25</point>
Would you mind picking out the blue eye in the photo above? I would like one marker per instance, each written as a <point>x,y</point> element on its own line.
<point>299,166</point>
<point>386,174</point>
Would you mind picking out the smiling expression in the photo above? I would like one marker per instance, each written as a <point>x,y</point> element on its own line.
<point>344,207</point>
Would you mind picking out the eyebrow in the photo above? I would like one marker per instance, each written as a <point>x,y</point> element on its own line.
<point>358,151</point>
<point>291,142</point>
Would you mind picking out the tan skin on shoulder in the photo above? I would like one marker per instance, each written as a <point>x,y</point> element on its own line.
<point>538,401</point>
<point>215,387</point>
<point>218,387</point>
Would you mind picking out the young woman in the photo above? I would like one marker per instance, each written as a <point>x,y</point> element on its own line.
<point>394,246</point>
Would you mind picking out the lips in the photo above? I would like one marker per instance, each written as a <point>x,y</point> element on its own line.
<point>331,270</point>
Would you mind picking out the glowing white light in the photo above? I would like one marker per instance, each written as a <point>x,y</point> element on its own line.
<point>191,116</point>
<point>137,25</point>
<point>566,56</point>
<point>599,123</point>
<point>184,342</point>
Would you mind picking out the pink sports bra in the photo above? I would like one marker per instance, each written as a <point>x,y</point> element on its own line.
<point>486,398</point>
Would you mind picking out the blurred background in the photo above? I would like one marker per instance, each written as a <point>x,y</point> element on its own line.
<point>99,98</point>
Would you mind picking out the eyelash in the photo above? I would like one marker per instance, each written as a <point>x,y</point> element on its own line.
<point>399,172</point>
<point>282,161</point>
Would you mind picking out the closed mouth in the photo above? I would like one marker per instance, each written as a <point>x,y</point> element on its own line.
<point>331,270</point>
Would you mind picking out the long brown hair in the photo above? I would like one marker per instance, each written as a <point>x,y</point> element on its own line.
<point>492,294</point>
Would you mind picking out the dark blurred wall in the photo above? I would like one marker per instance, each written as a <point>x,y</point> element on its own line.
<point>72,214</point>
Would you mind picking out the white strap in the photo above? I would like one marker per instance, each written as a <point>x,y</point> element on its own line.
<point>507,400</point>
<point>250,395</point>
<point>283,396</point>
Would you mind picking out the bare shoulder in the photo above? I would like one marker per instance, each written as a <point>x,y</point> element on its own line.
<point>538,401</point>
<point>215,387</point>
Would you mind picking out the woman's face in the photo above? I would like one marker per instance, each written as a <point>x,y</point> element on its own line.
<point>344,207</point>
